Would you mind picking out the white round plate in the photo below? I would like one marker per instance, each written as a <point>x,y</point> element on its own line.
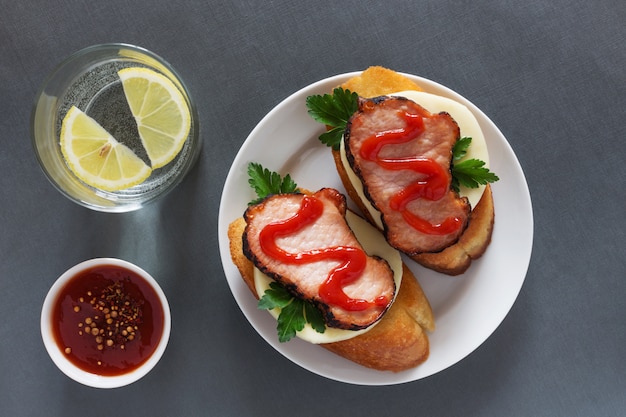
<point>468,308</point>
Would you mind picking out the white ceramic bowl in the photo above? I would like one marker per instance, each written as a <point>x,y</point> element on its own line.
<point>60,358</point>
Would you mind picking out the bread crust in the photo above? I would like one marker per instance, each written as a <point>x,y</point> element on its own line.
<point>455,259</point>
<point>397,343</point>
<point>379,81</point>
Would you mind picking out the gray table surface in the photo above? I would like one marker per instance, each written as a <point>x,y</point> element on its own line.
<point>550,74</point>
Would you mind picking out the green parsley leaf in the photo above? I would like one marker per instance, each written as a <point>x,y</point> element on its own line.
<point>294,313</point>
<point>471,173</point>
<point>264,182</point>
<point>275,297</point>
<point>333,110</point>
<point>460,148</point>
<point>314,317</point>
<point>332,137</point>
<point>290,320</point>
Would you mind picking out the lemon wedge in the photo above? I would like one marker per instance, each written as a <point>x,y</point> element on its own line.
<point>160,110</point>
<point>95,157</point>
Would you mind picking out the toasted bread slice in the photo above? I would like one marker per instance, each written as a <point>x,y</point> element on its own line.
<point>455,259</point>
<point>379,81</point>
<point>398,342</point>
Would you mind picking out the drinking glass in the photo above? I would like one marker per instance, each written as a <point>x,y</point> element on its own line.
<point>88,80</point>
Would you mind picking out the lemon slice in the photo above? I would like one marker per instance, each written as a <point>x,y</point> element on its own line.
<point>160,110</point>
<point>96,157</point>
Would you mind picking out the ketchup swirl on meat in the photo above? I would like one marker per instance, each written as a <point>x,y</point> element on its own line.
<point>352,261</point>
<point>401,154</point>
<point>433,186</point>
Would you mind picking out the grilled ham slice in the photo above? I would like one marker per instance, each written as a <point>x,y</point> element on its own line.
<point>307,255</point>
<point>402,154</point>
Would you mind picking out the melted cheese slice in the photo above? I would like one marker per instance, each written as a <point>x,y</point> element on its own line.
<point>469,127</point>
<point>374,244</point>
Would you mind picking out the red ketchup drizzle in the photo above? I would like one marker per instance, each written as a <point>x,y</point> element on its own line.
<point>351,260</point>
<point>432,187</point>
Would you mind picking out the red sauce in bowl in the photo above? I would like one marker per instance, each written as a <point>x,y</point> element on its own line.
<point>107,320</point>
